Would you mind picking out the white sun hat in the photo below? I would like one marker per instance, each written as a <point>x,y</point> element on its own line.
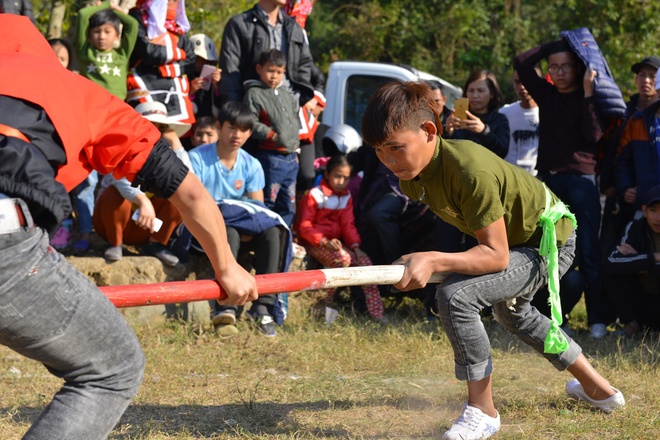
<point>204,47</point>
<point>155,111</point>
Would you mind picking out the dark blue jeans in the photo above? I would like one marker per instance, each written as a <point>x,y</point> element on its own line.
<point>281,172</point>
<point>380,229</point>
<point>266,247</point>
<point>85,202</point>
<point>53,314</point>
<point>580,192</point>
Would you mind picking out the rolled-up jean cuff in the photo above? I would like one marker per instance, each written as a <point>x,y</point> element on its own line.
<point>567,358</point>
<point>474,372</point>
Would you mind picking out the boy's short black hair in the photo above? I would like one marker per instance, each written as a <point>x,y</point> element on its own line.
<point>204,122</point>
<point>273,56</point>
<point>54,42</point>
<point>434,84</point>
<point>237,114</point>
<point>104,16</point>
<point>398,106</point>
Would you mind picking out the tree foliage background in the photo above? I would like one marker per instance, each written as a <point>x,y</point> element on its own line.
<point>445,37</point>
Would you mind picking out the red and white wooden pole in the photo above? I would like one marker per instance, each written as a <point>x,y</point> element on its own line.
<point>135,295</point>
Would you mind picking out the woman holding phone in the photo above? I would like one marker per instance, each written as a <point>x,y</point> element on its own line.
<point>475,118</point>
<point>481,123</point>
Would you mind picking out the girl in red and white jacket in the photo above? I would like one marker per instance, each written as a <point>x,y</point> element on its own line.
<point>326,227</point>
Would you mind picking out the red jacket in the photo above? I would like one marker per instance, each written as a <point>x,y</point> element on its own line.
<point>322,213</point>
<point>98,130</point>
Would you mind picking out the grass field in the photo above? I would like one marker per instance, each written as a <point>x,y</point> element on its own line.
<point>352,380</point>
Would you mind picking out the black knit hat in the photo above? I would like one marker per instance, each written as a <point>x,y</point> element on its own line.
<point>648,61</point>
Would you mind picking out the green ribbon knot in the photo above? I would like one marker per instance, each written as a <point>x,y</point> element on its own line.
<point>555,341</point>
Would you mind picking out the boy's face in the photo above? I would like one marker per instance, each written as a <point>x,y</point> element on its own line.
<point>62,54</point>
<point>439,98</point>
<point>201,62</point>
<point>270,74</point>
<point>408,152</point>
<point>231,137</point>
<point>103,37</point>
<point>205,135</point>
<point>519,88</point>
<point>563,69</point>
<point>645,80</point>
<point>652,214</point>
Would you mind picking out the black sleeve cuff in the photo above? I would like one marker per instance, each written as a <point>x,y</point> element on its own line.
<point>162,173</point>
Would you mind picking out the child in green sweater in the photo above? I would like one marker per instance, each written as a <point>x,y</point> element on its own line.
<point>103,49</point>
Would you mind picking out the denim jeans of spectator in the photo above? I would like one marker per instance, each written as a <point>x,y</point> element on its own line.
<point>461,298</point>
<point>85,202</point>
<point>53,314</point>
<point>266,247</point>
<point>281,172</point>
<point>580,192</point>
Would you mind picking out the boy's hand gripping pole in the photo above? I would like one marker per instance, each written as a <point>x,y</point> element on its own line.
<point>136,295</point>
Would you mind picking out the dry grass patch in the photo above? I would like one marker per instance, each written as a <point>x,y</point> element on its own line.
<point>353,380</point>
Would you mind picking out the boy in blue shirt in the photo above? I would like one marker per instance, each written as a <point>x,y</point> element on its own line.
<point>525,240</point>
<point>229,173</point>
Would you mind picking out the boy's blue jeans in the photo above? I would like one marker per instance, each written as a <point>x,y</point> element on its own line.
<point>53,314</point>
<point>461,298</point>
<point>281,173</point>
<point>85,202</point>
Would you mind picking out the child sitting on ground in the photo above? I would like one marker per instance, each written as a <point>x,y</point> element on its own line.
<point>525,240</point>
<point>326,227</point>
<point>118,200</point>
<point>97,33</point>
<point>276,129</point>
<point>632,270</point>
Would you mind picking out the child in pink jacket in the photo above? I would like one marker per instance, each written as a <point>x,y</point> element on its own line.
<point>326,227</point>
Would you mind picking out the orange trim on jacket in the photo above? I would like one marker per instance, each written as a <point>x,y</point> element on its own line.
<point>98,130</point>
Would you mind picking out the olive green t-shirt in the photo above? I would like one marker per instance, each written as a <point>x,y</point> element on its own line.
<point>470,187</point>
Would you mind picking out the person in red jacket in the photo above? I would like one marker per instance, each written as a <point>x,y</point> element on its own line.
<point>55,127</point>
<point>326,227</point>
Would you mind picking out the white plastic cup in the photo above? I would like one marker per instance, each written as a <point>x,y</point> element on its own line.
<point>157,222</point>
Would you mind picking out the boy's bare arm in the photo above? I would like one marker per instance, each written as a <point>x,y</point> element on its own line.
<point>489,256</point>
<point>129,32</point>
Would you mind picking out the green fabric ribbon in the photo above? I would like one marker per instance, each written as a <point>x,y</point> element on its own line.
<point>555,341</point>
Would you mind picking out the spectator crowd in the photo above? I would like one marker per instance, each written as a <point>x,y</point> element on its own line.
<point>244,119</point>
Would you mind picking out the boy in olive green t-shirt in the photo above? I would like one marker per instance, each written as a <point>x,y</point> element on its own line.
<point>525,241</point>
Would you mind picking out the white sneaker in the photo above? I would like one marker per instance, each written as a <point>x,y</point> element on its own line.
<point>612,403</point>
<point>598,331</point>
<point>473,424</point>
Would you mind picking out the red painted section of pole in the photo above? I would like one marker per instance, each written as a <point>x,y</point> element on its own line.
<point>136,295</point>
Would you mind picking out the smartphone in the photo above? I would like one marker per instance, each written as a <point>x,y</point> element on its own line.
<point>205,74</point>
<point>460,107</point>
